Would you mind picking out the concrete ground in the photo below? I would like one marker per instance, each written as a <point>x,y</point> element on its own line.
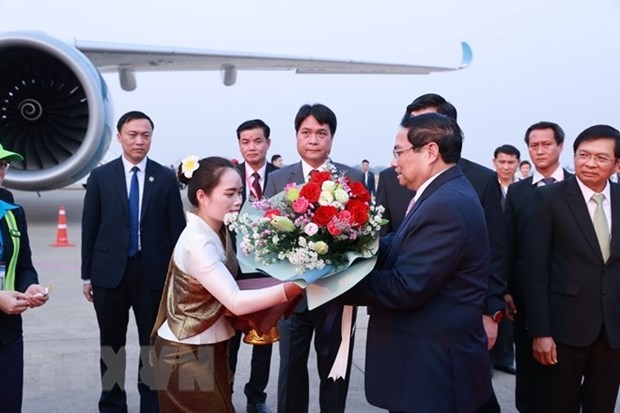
<point>61,338</point>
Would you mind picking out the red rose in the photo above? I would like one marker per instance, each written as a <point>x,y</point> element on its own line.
<point>320,177</point>
<point>311,191</point>
<point>360,214</point>
<point>324,215</point>
<point>359,191</point>
<point>356,202</point>
<point>271,212</point>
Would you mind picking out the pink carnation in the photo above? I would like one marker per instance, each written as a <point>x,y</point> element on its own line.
<point>334,228</point>
<point>300,205</point>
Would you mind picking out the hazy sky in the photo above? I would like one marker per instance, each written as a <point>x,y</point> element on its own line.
<point>533,60</point>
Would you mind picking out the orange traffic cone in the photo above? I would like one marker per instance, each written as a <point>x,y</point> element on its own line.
<point>61,233</point>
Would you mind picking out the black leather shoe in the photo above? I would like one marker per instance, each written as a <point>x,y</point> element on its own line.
<point>507,369</point>
<point>257,408</point>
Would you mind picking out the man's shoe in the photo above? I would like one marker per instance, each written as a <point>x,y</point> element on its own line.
<point>507,369</point>
<point>257,408</point>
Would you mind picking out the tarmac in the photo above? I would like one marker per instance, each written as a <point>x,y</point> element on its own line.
<point>61,338</point>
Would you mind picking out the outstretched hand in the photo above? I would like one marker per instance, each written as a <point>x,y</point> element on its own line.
<point>13,302</point>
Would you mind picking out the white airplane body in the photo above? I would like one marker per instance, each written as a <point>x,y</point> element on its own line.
<point>55,107</point>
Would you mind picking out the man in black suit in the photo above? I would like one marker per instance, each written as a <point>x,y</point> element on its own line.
<point>315,126</point>
<point>254,142</point>
<point>132,218</point>
<point>487,187</point>
<point>369,177</point>
<point>573,289</point>
<point>545,141</point>
<point>506,161</point>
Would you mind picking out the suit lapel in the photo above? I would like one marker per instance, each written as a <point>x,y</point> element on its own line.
<point>121,185</point>
<point>149,181</point>
<point>615,221</point>
<point>269,169</point>
<point>296,174</point>
<point>402,231</point>
<point>241,169</point>
<point>577,205</point>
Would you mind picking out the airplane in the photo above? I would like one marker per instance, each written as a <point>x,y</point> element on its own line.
<point>55,107</point>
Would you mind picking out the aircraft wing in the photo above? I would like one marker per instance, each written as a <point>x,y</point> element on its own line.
<point>113,57</point>
<point>56,108</point>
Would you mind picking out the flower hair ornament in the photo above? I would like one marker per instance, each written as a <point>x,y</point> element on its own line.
<point>189,164</point>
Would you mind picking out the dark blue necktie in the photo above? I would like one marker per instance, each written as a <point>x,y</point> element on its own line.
<point>134,208</point>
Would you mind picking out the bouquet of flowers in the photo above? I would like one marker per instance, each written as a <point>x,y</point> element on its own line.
<point>319,228</point>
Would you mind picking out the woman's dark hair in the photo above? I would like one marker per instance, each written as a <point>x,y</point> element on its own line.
<point>206,177</point>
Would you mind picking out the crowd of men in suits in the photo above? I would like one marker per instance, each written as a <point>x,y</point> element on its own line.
<point>509,214</point>
<point>462,249</point>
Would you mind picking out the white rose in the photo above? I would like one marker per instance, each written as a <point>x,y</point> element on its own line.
<point>341,196</point>
<point>326,198</point>
<point>328,186</point>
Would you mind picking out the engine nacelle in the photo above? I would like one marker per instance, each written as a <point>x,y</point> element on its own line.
<point>55,110</point>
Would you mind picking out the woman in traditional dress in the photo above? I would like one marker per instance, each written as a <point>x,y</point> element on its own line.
<point>191,333</point>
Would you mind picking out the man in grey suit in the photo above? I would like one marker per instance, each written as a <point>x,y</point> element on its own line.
<point>132,218</point>
<point>315,126</point>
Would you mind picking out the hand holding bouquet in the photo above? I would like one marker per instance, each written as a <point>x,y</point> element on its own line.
<point>309,232</point>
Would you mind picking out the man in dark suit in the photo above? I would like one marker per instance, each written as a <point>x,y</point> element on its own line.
<point>573,288</point>
<point>315,126</point>
<point>132,218</point>
<point>254,142</point>
<point>506,161</point>
<point>369,177</point>
<point>545,141</point>
<point>485,183</point>
<point>426,347</point>
<point>394,198</point>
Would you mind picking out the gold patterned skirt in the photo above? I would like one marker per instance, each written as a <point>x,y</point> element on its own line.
<point>192,378</point>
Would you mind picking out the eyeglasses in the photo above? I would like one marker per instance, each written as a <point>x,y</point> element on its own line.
<point>397,152</point>
<point>598,159</point>
<point>4,166</point>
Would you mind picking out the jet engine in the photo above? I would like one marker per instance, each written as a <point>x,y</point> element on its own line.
<point>55,110</point>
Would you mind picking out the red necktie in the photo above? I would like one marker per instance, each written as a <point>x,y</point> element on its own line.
<point>312,172</point>
<point>258,192</point>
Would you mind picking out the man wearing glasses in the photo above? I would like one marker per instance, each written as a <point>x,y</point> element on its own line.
<point>428,290</point>
<point>394,198</point>
<point>573,285</point>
